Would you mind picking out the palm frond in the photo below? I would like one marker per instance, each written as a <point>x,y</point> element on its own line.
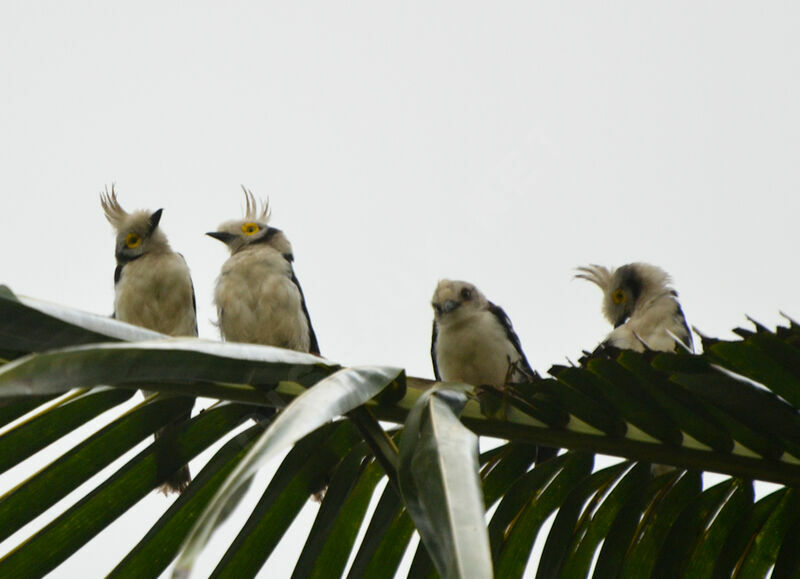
<point>731,410</point>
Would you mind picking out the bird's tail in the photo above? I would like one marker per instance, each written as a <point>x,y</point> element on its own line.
<point>175,481</point>
<point>178,482</point>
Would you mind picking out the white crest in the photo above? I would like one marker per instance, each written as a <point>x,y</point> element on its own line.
<point>111,207</point>
<point>597,274</point>
<point>252,212</point>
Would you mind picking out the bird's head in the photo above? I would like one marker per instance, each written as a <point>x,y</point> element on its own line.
<point>455,301</point>
<point>253,229</point>
<point>625,287</point>
<point>137,232</point>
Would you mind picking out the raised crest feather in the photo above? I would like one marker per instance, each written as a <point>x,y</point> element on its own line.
<point>252,207</point>
<point>597,274</point>
<point>111,207</point>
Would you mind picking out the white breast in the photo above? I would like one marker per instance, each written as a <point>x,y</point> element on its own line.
<point>257,302</point>
<point>155,292</point>
<point>653,323</point>
<point>476,351</point>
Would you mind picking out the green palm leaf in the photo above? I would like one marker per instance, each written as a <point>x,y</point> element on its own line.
<point>732,410</point>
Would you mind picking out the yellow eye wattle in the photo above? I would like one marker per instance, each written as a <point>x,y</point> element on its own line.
<point>250,228</point>
<point>133,241</point>
<point>618,297</point>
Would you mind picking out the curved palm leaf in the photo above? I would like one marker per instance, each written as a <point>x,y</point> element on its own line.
<point>732,410</point>
<point>440,484</point>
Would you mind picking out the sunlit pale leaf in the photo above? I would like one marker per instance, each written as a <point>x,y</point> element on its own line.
<point>161,361</point>
<point>159,546</point>
<point>31,325</point>
<point>334,396</point>
<point>441,485</point>
<point>693,411</point>
<point>302,472</point>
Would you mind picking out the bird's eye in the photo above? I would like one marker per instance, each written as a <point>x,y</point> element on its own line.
<point>250,228</point>
<point>437,308</point>
<point>133,241</point>
<point>618,297</point>
<point>466,293</point>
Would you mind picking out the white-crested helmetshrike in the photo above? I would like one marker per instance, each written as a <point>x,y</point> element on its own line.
<point>257,295</point>
<point>644,309</point>
<point>152,287</point>
<point>474,342</point>
<point>638,300</point>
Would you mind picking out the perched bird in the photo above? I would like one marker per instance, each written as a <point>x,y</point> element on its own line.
<point>644,309</point>
<point>638,300</point>
<point>474,342</point>
<point>257,295</point>
<point>152,288</point>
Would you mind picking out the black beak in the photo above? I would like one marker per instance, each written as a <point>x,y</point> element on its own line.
<point>154,220</point>
<point>222,236</point>
<point>450,305</point>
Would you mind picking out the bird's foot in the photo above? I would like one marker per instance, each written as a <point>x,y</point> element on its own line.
<point>493,400</point>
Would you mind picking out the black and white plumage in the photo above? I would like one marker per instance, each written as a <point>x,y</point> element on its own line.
<point>257,295</point>
<point>152,287</point>
<point>473,340</point>
<point>644,309</point>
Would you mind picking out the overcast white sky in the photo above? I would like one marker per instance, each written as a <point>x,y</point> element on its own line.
<point>501,143</point>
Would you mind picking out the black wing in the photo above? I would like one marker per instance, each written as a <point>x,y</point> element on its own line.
<point>194,309</point>
<point>505,321</point>
<point>313,346</point>
<point>542,452</point>
<point>117,275</point>
<point>194,298</point>
<point>433,352</point>
<point>688,339</point>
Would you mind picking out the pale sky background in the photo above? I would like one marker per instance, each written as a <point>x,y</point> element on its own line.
<point>501,143</point>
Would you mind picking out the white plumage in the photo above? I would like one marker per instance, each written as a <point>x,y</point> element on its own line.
<point>257,295</point>
<point>638,300</point>
<point>155,292</point>
<point>473,340</point>
<point>152,286</point>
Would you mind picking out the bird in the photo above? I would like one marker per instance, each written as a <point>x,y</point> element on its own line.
<point>474,342</point>
<point>643,307</point>
<point>257,295</point>
<point>152,289</point>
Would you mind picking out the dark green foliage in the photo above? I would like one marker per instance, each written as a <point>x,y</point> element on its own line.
<point>60,368</point>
